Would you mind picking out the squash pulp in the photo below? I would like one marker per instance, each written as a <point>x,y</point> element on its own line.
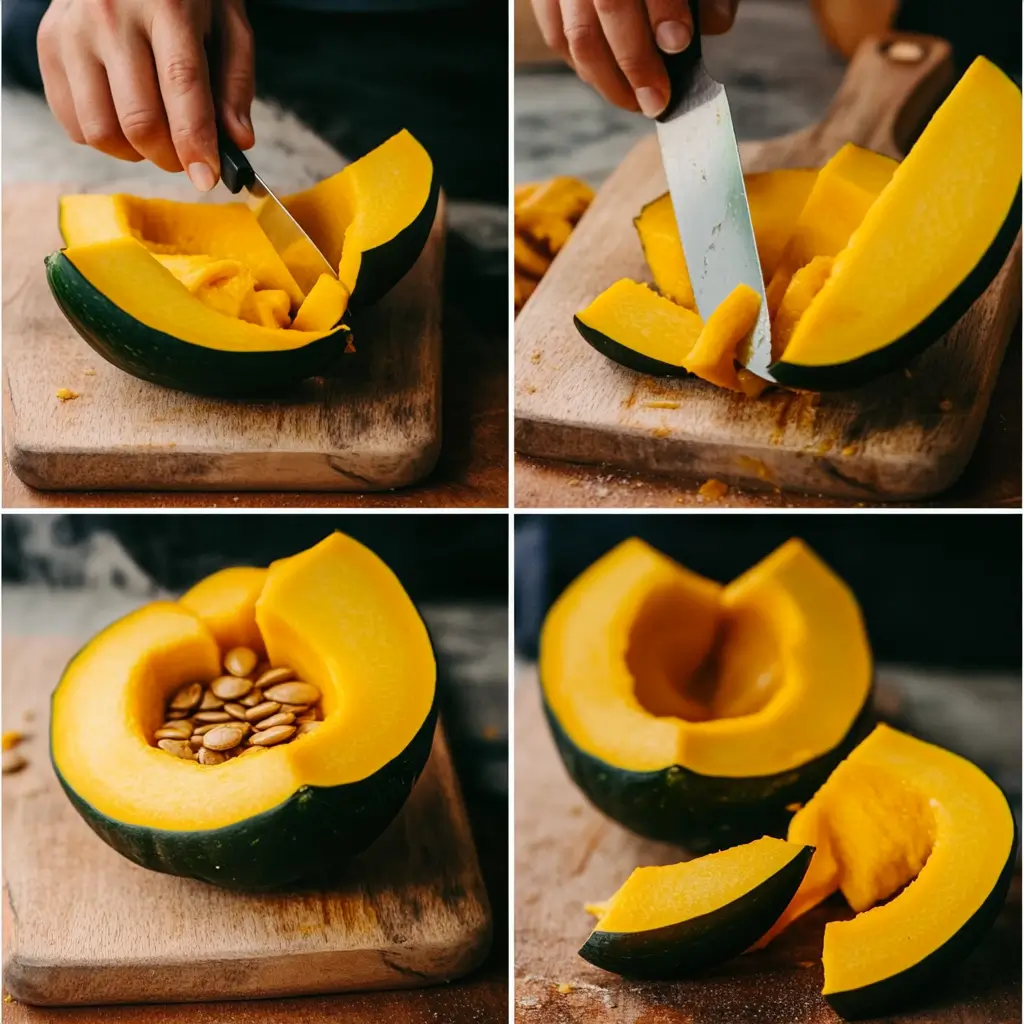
<point>696,713</point>
<point>339,617</point>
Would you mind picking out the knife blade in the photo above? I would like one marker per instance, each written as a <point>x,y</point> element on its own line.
<point>705,179</point>
<point>293,245</point>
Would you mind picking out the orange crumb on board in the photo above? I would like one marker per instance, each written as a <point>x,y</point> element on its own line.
<point>350,346</point>
<point>755,466</point>
<point>661,405</point>
<point>793,808</point>
<point>11,739</point>
<point>850,449</point>
<point>660,432</point>
<point>535,357</point>
<point>713,489</point>
<point>530,389</point>
<point>66,394</point>
<point>89,372</point>
<point>565,988</point>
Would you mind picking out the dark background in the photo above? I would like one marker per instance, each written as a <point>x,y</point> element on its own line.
<point>936,590</point>
<point>437,557</point>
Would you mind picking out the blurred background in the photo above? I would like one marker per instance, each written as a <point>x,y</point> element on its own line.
<point>941,597</point>
<point>781,63</point>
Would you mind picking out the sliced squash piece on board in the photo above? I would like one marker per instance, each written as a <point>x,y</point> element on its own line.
<point>298,811</point>
<point>906,822</point>
<point>640,329</point>
<point>713,357</point>
<point>696,713</point>
<point>776,199</point>
<point>843,193</point>
<point>928,246</point>
<point>675,920</point>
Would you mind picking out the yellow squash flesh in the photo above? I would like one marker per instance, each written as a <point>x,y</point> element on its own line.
<point>334,613</point>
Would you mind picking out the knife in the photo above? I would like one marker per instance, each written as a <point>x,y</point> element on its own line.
<point>294,246</point>
<point>705,179</point>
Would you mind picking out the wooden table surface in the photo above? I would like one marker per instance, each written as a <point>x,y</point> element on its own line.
<point>992,478</point>
<point>472,471</point>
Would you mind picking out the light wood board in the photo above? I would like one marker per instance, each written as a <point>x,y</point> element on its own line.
<point>375,425</point>
<point>906,436</point>
<point>83,925</point>
<point>568,854</point>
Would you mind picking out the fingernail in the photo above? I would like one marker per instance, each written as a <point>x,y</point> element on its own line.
<point>202,177</point>
<point>652,101</point>
<point>672,36</point>
<point>725,9</point>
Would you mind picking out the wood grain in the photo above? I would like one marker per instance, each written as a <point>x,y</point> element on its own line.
<point>374,426</point>
<point>83,925</point>
<point>567,853</point>
<point>904,437</point>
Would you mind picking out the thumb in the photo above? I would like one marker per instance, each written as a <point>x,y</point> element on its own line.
<point>717,16</point>
<point>236,84</point>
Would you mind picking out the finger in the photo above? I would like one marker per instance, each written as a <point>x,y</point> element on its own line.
<point>717,16</point>
<point>140,108</point>
<point>672,24</point>
<point>628,31</point>
<point>185,87</point>
<point>236,75</point>
<point>592,56</point>
<point>94,106</point>
<point>548,15</point>
<point>55,82</point>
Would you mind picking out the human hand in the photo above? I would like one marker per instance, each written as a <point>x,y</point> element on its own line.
<point>130,78</point>
<point>616,45</point>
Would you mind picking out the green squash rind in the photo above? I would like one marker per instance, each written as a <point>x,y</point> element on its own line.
<point>701,813</point>
<point>382,267</point>
<point>307,838</point>
<point>898,990</point>
<point>682,949</point>
<point>626,356</point>
<point>896,355</point>
<point>161,358</point>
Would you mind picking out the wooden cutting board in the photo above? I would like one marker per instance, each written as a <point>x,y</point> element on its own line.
<point>905,436</point>
<point>82,925</point>
<point>377,425</point>
<point>568,853</point>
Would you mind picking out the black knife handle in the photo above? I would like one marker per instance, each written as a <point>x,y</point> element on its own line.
<point>681,66</point>
<point>235,170</point>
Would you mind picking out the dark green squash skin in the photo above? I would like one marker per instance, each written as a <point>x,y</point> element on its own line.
<point>701,813</point>
<point>305,841</point>
<point>686,947</point>
<point>625,356</point>
<point>382,267</point>
<point>898,353</point>
<point>173,363</point>
<point>897,991</point>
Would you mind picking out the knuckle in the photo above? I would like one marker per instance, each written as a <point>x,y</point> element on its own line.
<point>609,6</point>
<point>142,125</point>
<point>101,134</point>
<point>582,38</point>
<point>634,65</point>
<point>182,74</point>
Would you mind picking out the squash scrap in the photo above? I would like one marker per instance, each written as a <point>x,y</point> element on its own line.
<point>545,215</point>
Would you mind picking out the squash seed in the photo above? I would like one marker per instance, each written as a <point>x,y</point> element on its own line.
<point>224,737</point>
<point>281,674</point>
<point>269,737</point>
<point>307,727</point>
<point>230,687</point>
<point>195,742</point>
<point>306,716</point>
<point>295,709</point>
<point>187,697</point>
<point>210,702</point>
<point>207,756</point>
<point>177,730</point>
<point>202,730</point>
<point>281,718</point>
<point>211,716</point>
<point>240,661</point>
<point>292,693</point>
<point>252,698</point>
<point>179,748</point>
<point>236,711</point>
<point>173,713</point>
<point>268,707</point>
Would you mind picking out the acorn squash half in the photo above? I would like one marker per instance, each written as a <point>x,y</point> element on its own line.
<point>904,819</point>
<point>675,920</point>
<point>697,713</point>
<point>194,296</point>
<point>298,811</point>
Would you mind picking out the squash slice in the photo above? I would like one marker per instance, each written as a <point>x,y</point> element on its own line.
<point>696,713</point>
<point>675,920</point>
<point>904,819</point>
<point>337,616</point>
